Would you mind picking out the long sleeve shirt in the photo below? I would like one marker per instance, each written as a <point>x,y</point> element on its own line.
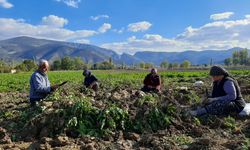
<point>39,85</point>
<point>230,90</point>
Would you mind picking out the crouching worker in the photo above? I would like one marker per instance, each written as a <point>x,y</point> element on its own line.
<point>152,82</point>
<point>90,80</point>
<point>226,96</point>
<point>39,83</point>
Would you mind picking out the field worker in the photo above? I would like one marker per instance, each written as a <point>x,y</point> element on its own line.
<point>152,82</point>
<point>90,81</point>
<point>40,84</point>
<point>226,95</point>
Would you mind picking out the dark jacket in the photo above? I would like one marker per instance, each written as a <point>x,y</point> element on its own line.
<point>218,91</point>
<point>89,80</point>
<point>151,80</point>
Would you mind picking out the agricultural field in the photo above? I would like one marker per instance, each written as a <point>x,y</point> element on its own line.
<point>119,115</point>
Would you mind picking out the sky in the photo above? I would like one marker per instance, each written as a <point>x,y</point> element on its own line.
<point>129,26</point>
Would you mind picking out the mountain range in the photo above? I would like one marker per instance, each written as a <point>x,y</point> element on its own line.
<point>23,47</point>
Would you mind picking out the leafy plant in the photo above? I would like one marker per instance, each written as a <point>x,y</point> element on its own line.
<point>229,122</point>
<point>246,144</point>
<point>197,121</point>
<point>7,114</point>
<point>182,139</point>
<point>157,119</point>
<point>151,99</point>
<point>112,118</point>
<point>88,120</point>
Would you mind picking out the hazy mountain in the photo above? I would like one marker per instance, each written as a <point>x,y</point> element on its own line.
<point>31,48</point>
<point>195,57</point>
<point>129,59</point>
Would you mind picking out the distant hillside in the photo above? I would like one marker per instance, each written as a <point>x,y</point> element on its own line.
<point>195,57</point>
<point>30,48</point>
<point>20,48</point>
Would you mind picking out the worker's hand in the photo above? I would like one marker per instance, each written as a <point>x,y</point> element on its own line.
<point>54,87</point>
<point>158,87</point>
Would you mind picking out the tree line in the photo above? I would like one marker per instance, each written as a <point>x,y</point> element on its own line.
<point>76,63</point>
<point>185,65</point>
<point>239,58</point>
<point>65,63</point>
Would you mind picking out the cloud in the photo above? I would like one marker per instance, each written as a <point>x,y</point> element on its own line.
<point>70,3</point>
<point>54,21</point>
<point>153,37</point>
<point>139,26</point>
<point>18,27</point>
<point>218,31</point>
<point>99,17</point>
<point>5,4</point>
<point>149,42</point>
<point>119,31</point>
<point>218,35</point>
<point>105,27</point>
<point>82,41</point>
<point>221,16</point>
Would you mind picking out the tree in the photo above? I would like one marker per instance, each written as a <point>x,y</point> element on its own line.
<point>30,65</point>
<point>228,61</point>
<point>176,65</point>
<point>170,66</point>
<point>57,65</point>
<point>110,60</point>
<point>240,57</point>
<point>79,64</point>
<point>2,64</point>
<point>27,65</point>
<point>103,66</point>
<point>67,63</point>
<point>186,64</point>
<point>236,58</point>
<point>148,66</point>
<point>164,64</point>
<point>142,65</point>
<point>4,68</point>
<point>243,56</point>
<point>248,62</point>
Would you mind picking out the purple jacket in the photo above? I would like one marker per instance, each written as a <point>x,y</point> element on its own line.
<point>229,88</point>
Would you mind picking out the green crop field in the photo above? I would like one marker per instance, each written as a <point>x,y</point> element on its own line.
<point>20,81</point>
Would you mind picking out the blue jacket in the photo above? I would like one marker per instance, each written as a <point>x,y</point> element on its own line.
<point>39,85</point>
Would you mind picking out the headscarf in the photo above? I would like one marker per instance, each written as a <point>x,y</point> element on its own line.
<point>218,70</point>
<point>86,72</point>
<point>154,70</point>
